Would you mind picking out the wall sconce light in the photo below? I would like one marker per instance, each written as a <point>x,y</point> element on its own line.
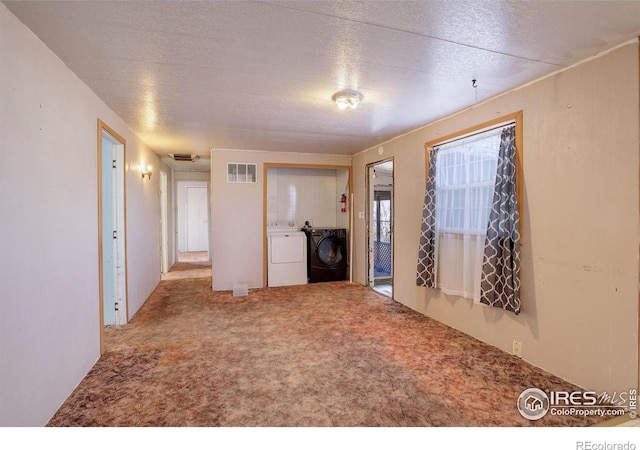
<point>146,172</point>
<point>347,98</point>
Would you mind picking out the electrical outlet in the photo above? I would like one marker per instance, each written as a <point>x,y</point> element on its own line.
<point>517,349</point>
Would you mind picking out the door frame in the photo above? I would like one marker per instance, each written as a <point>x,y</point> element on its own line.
<point>102,129</point>
<point>370,281</point>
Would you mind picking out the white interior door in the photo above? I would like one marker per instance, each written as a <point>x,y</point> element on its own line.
<point>197,219</point>
<point>113,262</point>
<point>108,230</point>
<point>119,242</point>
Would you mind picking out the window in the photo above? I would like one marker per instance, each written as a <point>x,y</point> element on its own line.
<point>382,216</point>
<point>465,179</point>
<point>466,241</point>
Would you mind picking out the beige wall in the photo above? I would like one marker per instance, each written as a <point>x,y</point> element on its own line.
<point>50,319</point>
<point>579,315</point>
<point>237,221</point>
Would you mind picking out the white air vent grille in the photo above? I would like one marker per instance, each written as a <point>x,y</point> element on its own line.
<point>240,289</point>
<point>242,172</point>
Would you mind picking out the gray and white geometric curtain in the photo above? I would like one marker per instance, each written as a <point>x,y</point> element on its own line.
<point>427,258</point>
<point>500,285</point>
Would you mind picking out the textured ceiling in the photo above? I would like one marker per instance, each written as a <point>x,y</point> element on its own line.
<point>191,76</point>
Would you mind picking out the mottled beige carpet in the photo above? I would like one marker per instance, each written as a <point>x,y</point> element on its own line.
<point>326,354</point>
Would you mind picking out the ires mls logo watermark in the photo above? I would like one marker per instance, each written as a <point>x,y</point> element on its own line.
<point>534,403</point>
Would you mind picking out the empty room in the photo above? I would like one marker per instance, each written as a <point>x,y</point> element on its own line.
<point>320,214</point>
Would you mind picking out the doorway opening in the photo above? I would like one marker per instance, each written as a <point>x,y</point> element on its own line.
<point>380,226</point>
<point>111,230</point>
<point>193,221</point>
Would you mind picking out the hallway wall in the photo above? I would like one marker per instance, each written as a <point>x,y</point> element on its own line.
<point>49,323</point>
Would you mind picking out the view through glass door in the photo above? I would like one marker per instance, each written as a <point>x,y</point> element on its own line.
<point>380,226</point>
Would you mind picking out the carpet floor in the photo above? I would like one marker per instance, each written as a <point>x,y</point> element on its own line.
<point>319,355</point>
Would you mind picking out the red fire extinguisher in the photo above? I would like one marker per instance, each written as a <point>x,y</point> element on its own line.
<point>343,201</point>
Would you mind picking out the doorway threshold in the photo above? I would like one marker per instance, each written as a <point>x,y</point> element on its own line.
<point>384,289</point>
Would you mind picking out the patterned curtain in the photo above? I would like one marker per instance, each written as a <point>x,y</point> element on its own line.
<point>427,258</point>
<point>500,286</point>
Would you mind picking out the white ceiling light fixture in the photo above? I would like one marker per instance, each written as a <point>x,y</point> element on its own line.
<point>347,98</point>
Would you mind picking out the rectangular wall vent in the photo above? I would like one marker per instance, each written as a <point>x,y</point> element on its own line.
<point>240,289</point>
<point>184,157</point>
<point>242,172</point>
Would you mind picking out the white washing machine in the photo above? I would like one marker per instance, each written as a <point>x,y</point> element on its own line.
<point>287,256</point>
